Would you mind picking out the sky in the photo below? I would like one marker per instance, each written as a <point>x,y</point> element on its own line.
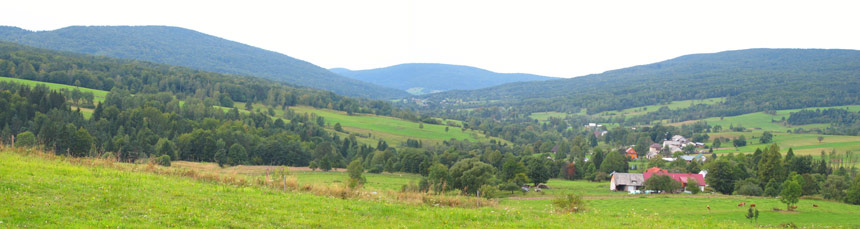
<point>553,38</point>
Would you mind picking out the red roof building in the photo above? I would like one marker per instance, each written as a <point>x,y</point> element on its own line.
<point>632,153</point>
<point>656,170</point>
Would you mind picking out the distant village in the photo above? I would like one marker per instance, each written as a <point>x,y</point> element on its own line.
<point>634,183</point>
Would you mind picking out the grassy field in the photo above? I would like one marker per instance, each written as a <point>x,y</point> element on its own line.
<point>674,105</point>
<point>802,144</point>
<point>762,121</point>
<point>98,95</point>
<point>393,130</point>
<point>57,192</point>
<point>543,116</point>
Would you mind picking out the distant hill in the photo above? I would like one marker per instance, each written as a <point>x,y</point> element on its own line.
<point>184,47</point>
<point>751,80</point>
<point>419,78</point>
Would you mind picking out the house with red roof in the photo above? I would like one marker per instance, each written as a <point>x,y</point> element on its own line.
<point>631,153</point>
<point>681,177</point>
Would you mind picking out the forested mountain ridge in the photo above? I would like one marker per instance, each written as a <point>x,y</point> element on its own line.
<point>183,47</point>
<point>423,78</point>
<point>751,80</point>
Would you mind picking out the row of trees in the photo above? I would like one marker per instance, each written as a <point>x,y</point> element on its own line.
<point>767,173</point>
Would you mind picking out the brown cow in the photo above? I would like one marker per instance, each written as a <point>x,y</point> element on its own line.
<point>815,205</point>
<point>793,207</point>
<point>752,205</point>
<point>742,204</point>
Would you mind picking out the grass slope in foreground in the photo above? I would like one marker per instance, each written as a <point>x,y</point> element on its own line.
<point>38,192</point>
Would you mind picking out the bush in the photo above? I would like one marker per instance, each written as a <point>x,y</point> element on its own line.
<point>748,190</point>
<point>570,203</point>
<point>662,183</point>
<point>488,191</point>
<point>509,187</point>
<point>163,160</point>
<point>26,139</point>
<point>693,186</point>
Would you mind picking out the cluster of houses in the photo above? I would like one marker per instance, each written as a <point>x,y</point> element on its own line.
<point>676,144</point>
<point>635,182</point>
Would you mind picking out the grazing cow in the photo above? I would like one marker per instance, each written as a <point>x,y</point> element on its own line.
<point>752,205</point>
<point>709,208</point>
<point>793,207</point>
<point>742,204</point>
<point>815,205</point>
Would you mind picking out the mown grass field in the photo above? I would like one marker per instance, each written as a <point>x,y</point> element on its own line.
<point>393,130</point>
<point>39,192</point>
<point>98,95</point>
<point>762,121</point>
<point>802,144</point>
<point>674,105</point>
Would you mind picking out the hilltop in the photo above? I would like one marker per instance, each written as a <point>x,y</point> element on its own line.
<point>750,80</point>
<point>188,48</point>
<point>423,78</point>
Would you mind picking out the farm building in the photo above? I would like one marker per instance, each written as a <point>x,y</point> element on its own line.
<point>629,182</point>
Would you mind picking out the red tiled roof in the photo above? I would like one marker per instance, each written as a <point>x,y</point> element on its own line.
<point>656,170</point>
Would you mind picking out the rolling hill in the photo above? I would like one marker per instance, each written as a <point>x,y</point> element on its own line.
<point>421,78</point>
<point>751,80</point>
<point>184,47</point>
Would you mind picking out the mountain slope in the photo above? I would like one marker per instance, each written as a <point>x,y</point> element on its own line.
<point>183,47</point>
<point>752,80</point>
<point>429,78</point>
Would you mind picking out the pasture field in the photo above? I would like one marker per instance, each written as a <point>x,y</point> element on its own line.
<point>393,130</point>
<point>674,105</point>
<point>98,95</point>
<point>693,208</point>
<point>59,192</point>
<point>761,121</point>
<point>544,116</point>
<point>802,144</point>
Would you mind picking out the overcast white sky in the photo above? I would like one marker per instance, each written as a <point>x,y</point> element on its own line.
<point>554,38</point>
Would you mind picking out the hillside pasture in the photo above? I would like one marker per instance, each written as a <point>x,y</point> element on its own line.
<point>98,95</point>
<point>761,121</point>
<point>393,130</point>
<point>674,105</point>
<point>59,192</point>
<point>802,144</point>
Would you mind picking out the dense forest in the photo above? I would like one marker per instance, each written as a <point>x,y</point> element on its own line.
<point>183,47</point>
<point>435,77</point>
<point>749,80</point>
<point>154,110</point>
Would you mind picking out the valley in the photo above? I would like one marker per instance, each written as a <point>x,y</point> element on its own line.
<point>160,126</point>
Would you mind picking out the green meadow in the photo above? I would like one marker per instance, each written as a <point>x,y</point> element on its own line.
<point>98,95</point>
<point>802,144</point>
<point>393,130</point>
<point>43,191</point>
<point>38,192</point>
<point>674,105</point>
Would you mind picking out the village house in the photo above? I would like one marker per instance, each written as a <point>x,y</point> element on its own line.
<point>629,182</point>
<point>677,143</point>
<point>654,151</point>
<point>631,153</point>
<point>691,158</point>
